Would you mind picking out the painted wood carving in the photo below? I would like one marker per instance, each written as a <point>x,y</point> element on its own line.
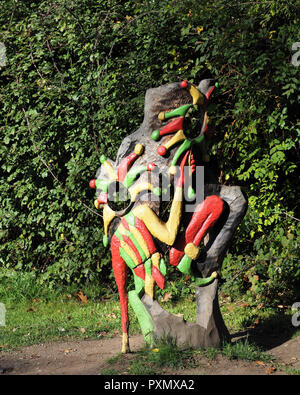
<point>156,171</point>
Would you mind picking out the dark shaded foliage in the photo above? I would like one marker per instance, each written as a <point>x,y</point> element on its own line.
<point>73,87</point>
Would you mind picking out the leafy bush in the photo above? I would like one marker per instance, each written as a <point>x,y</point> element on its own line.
<point>73,87</point>
<point>271,273</point>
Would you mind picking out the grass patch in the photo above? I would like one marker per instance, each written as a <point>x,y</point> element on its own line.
<point>166,354</point>
<point>244,350</point>
<point>211,353</point>
<point>36,314</point>
<point>288,370</point>
<point>151,361</point>
<point>114,359</point>
<point>38,321</point>
<point>110,372</point>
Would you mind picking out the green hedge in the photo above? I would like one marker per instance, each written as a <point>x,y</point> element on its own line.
<point>73,87</point>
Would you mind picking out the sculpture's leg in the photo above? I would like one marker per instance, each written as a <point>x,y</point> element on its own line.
<point>186,248</point>
<point>140,311</point>
<point>120,272</point>
<point>149,282</point>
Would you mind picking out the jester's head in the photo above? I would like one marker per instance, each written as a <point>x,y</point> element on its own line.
<point>185,125</point>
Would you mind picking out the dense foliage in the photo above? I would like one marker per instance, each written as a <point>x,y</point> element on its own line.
<point>73,87</point>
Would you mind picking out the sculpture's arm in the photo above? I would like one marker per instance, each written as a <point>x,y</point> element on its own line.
<point>163,231</point>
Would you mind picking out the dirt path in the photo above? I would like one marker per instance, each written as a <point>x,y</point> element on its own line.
<point>89,357</point>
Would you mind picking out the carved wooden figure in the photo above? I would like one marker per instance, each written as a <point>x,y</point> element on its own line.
<point>170,144</point>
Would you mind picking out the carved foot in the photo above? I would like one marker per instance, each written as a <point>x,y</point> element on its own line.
<point>125,344</point>
<point>149,339</point>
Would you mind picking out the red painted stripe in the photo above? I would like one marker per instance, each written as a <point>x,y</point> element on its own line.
<point>181,179</point>
<point>124,223</point>
<point>141,227</point>
<point>205,216</point>
<point>215,206</point>
<point>193,163</point>
<point>173,126</point>
<point>133,247</point>
<point>102,198</point>
<point>203,219</point>
<point>206,128</point>
<point>209,92</point>
<point>115,242</point>
<point>124,166</point>
<point>140,271</point>
<point>119,268</point>
<point>177,251</point>
<point>158,277</point>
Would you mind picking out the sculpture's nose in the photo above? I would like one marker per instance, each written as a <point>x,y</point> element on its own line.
<point>207,86</point>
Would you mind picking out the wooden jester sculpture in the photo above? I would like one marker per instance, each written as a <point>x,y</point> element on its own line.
<point>168,142</point>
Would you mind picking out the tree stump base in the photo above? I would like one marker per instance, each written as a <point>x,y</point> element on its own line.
<point>208,331</point>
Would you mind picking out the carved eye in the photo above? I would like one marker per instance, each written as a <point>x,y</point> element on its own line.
<point>193,123</point>
<point>118,196</point>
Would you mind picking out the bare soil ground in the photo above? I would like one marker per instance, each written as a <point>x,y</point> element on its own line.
<point>89,357</point>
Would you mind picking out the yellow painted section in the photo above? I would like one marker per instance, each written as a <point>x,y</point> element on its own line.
<point>149,285</point>
<point>138,149</point>
<point>139,238</point>
<point>111,171</point>
<point>108,216</point>
<point>129,252</point>
<point>155,258</point>
<point>172,170</point>
<point>196,95</point>
<point>136,189</point>
<point>125,343</point>
<point>121,229</point>
<point>179,136</point>
<point>191,250</point>
<point>161,116</point>
<point>96,204</point>
<point>164,231</point>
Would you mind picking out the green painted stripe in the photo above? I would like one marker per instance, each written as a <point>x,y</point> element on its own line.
<point>105,240</point>
<point>130,218</point>
<point>180,111</point>
<point>185,265</point>
<point>118,235</point>
<point>163,267</point>
<point>127,259</point>
<point>199,139</point>
<point>138,247</point>
<point>148,267</point>
<point>102,184</point>
<point>139,284</point>
<point>184,147</point>
<point>132,175</point>
<point>200,282</point>
<point>191,193</point>
<point>143,316</point>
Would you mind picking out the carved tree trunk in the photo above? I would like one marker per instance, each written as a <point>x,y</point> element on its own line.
<point>163,140</point>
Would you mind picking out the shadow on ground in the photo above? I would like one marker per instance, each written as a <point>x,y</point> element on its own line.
<point>269,333</point>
